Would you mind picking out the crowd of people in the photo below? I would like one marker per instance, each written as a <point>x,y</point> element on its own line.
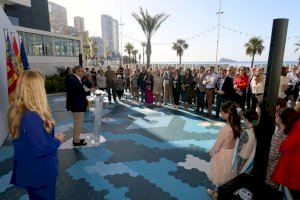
<point>201,87</point>
<point>237,93</point>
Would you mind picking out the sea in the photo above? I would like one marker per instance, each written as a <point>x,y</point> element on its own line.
<point>223,64</point>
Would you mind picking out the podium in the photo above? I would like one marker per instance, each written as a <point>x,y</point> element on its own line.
<point>95,108</point>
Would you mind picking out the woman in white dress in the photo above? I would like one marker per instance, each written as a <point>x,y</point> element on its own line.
<point>157,86</point>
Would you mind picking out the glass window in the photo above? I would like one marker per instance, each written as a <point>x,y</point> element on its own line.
<point>70,48</point>
<point>57,43</point>
<point>38,45</point>
<point>76,47</point>
<point>64,46</point>
<point>29,45</point>
<point>48,46</point>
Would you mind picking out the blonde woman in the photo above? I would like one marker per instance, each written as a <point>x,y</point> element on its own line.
<point>157,86</point>
<point>35,147</point>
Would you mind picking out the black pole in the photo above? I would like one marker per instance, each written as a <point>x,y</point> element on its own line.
<point>80,59</point>
<point>277,46</point>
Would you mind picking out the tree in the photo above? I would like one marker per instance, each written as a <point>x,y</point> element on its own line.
<point>253,47</point>
<point>86,51</point>
<point>95,48</point>
<point>297,49</point>
<point>179,46</point>
<point>128,48</point>
<point>144,44</point>
<point>149,24</point>
<point>134,52</point>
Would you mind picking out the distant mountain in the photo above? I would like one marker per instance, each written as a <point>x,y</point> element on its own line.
<point>225,60</point>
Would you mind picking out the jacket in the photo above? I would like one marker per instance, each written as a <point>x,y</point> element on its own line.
<point>76,96</point>
<point>35,153</point>
<point>287,170</point>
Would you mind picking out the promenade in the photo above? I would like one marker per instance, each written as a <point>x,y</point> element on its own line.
<point>146,152</point>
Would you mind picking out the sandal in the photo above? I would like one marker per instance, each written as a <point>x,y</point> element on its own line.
<point>213,194</point>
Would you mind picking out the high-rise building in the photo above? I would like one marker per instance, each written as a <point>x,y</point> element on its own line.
<point>79,24</point>
<point>107,32</point>
<point>35,17</point>
<point>58,18</point>
<point>71,30</point>
<point>116,36</point>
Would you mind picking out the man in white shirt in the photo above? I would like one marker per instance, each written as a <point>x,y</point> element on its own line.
<point>210,81</point>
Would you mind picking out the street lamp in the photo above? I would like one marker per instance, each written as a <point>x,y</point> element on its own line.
<point>218,36</point>
<point>121,25</point>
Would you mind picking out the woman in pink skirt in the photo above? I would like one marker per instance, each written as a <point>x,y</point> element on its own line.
<point>222,151</point>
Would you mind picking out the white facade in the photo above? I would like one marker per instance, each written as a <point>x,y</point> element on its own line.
<point>79,24</point>
<point>116,36</point>
<point>58,18</point>
<point>47,62</point>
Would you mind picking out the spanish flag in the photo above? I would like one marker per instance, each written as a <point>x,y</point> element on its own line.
<point>12,74</point>
<point>17,55</point>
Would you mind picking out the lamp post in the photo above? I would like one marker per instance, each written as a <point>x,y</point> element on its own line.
<point>121,28</point>
<point>218,36</point>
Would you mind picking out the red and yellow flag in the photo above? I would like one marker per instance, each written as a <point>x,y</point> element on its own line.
<point>19,66</point>
<point>12,74</point>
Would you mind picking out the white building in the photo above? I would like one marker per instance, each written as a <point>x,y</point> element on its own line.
<point>47,50</point>
<point>58,18</point>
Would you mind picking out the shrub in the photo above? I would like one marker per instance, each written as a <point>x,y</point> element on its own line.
<point>56,83</point>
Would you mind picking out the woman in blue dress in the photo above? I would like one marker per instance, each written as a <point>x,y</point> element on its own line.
<point>35,146</point>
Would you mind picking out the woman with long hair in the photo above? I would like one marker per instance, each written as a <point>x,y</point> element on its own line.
<point>285,120</point>
<point>222,151</point>
<point>31,127</point>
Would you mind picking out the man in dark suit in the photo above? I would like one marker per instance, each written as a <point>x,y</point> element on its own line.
<point>76,103</point>
<point>224,90</point>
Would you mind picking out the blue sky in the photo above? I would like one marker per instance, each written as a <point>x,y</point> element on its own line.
<point>191,17</point>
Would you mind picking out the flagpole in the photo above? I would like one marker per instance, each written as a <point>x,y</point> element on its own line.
<point>218,36</point>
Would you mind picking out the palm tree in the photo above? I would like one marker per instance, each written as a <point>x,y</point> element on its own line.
<point>297,49</point>
<point>128,48</point>
<point>150,24</point>
<point>143,45</point>
<point>253,47</point>
<point>134,52</point>
<point>179,46</point>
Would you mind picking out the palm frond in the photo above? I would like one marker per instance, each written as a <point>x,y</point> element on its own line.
<point>179,46</point>
<point>254,46</point>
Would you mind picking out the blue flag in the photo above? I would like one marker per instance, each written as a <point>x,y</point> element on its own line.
<point>24,57</point>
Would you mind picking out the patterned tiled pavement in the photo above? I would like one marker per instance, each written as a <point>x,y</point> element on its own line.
<point>146,152</point>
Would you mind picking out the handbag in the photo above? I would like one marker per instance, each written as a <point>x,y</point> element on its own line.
<point>245,187</point>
